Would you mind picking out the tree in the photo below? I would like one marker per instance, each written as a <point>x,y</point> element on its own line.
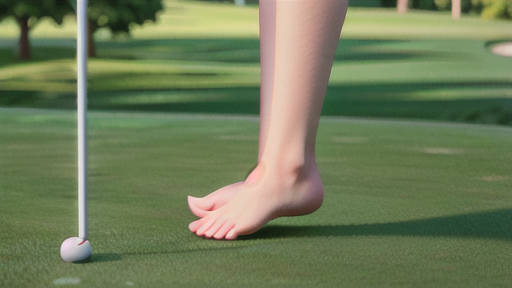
<point>402,6</point>
<point>119,15</point>
<point>455,9</point>
<point>27,13</point>
<point>456,6</point>
<point>388,3</point>
<point>494,9</point>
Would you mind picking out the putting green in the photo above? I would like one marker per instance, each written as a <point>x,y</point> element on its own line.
<point>408,204</point>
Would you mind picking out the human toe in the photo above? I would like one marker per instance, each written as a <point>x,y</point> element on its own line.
<point>193,204</point>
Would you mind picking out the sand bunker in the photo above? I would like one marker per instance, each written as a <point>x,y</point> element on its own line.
<point>503,49</point>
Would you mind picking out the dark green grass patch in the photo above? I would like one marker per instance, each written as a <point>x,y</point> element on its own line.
<point>407,204</point>
<point>448,80</point>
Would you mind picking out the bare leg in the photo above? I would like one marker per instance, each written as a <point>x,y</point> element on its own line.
<point>286,181</point>
<point>222,196</point>
<point>268,62</point>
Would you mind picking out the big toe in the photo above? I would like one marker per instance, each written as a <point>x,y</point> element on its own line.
<point>195,206</point>
<point>205,203</point>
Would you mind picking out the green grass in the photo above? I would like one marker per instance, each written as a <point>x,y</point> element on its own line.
<point>203,57</point>
<point>426,79</point>
<point>408,204</point>
<point>192,19</point>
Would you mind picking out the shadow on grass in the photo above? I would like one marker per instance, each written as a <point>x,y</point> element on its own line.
<point>104,257</point>
<point>247,50</point>
<point>39,54</point>
<point>380,100</point>
<point>492,225</point>
<point>100,257</point>
<point>229,50</point>
<point>383,100</point>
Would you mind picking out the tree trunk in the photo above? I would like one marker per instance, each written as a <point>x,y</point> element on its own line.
<point>456,9</point>
<point>90,39</point>
<point>23,44</point>
<point>402,6</point>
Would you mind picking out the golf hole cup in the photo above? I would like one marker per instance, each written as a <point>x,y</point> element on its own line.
<point>75,249</point>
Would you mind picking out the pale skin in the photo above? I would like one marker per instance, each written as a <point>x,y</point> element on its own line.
<point>298,42</point>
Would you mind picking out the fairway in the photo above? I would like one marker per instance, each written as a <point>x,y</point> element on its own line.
<point>408,204</point>
<point>204,58</point>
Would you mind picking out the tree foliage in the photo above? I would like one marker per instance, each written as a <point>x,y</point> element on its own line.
<point>56,9</point>
<point>119,15</point>
<point>28,12</point>
<point>488,9</point>
<point>494,9</point>
<point>447,5</point>
<point>388,3</point>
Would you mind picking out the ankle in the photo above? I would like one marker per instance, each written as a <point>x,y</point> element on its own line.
<point>293,169</point>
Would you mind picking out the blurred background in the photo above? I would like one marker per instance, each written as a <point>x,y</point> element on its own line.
<point>435,60</point>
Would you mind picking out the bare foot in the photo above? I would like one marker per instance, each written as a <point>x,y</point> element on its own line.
<point>265,195</point>
<point>214,200</point>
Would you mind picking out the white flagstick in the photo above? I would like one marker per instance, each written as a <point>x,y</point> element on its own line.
<point>82,115</point>
<point>78,248</point>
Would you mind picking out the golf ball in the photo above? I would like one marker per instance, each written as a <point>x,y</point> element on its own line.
<point>75,249</point>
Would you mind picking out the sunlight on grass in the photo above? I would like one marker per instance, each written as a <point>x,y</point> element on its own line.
<point>384,23</point>
<point>51,76</point>
<point>65,68</point>
<point>202,19</point>
<point>422,72</point>
<point>159,98</point>
<point>110,75</point>
<point>460,93</point>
